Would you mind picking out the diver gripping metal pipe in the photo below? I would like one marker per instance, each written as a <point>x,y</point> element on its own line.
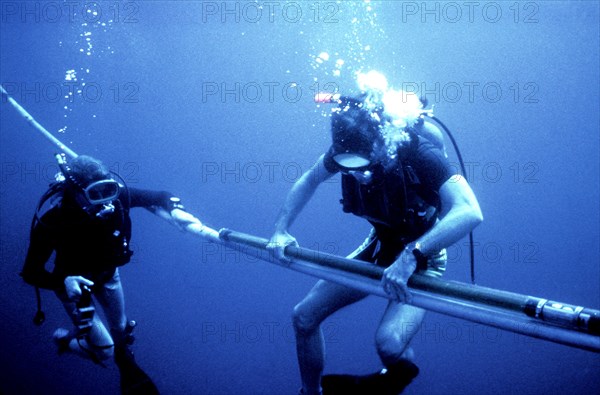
<point>34,124</point>
<point>558,322</point>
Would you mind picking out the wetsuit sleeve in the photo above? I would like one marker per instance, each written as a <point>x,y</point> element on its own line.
<point>329,163</point>
<point>148,199</point>
<point>41,246</point>
<point>432,166</point>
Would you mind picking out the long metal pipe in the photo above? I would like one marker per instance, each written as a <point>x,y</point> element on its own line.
<point>35,124</point>
<point>536,317</point>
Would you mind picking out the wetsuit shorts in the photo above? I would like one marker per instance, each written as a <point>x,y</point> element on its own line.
<point>384,254</point>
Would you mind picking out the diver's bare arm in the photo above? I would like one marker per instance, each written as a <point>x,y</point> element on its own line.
<point>300,194</point>
<point>460,215</point>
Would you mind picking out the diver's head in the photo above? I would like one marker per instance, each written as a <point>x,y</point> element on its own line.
<point>91,185</point>
<point>372,127</point>
<point>355,134</point>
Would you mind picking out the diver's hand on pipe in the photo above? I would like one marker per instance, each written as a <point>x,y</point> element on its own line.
<point>395,277</point>
<point>177,217</point>
<point>277,245</point>
<point>73,286</point>
<point>182,219</point>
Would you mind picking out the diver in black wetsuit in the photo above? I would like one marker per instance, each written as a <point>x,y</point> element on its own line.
<point>89,229</point>
<point>396,176</point>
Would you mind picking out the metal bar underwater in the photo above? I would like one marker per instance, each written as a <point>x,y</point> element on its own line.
<point>562,323</point>
<point>34,124</point>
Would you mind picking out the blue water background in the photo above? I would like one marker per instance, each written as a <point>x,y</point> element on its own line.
<point>213,101</point>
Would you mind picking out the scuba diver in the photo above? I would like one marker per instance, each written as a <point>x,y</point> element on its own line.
<point>89,228</point>
<point>395,174</point>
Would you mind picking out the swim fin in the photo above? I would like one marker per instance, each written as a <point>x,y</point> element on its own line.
<point>134,381</point>
<point>387,382</point>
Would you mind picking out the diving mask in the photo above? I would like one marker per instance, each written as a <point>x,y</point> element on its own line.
<point>102,191</point>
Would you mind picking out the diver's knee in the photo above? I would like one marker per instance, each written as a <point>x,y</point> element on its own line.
<point>303,320</point>
<point>98,353</point>
<point>105,352</point>
<point>390,346</point>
